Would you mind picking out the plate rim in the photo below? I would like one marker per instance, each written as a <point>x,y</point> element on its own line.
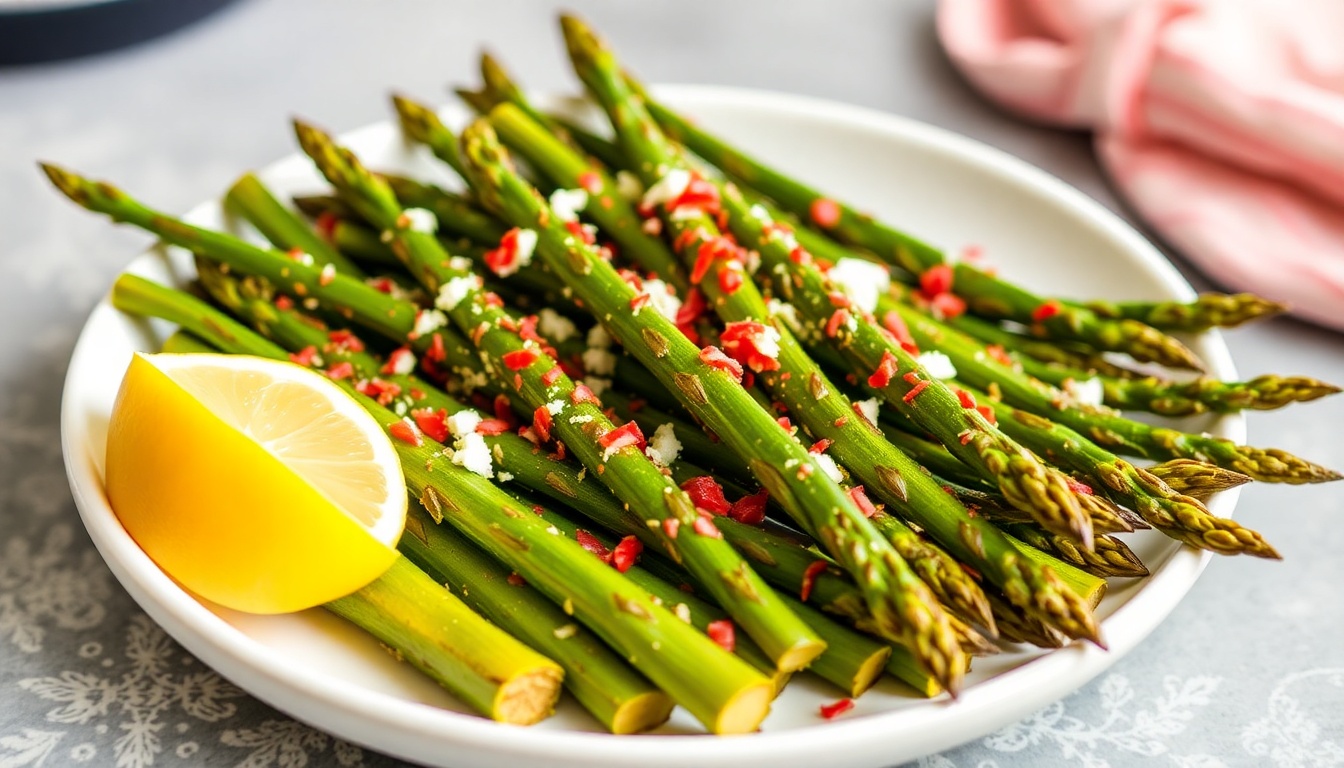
<point>416,731</point>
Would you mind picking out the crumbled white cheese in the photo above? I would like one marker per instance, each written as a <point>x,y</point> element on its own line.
<point>628,185</point>
<point>1089,392</point>
<point>327,274</point>
<point>938,365</point>
<point>597,384</point>
<point>566,203</point>
<point>422,220</point>
<point>403,362</point>
<point>555,407</point>
<point>668,188</point>
<point>862,281</point>
<point>828,465</point>
<point>454,291</point>
<point>504,477</point>
<point>303,257</point>
<point>663,298</point>
<point>525,245</point>
<point>598,337</point>
<point>471,453</point>
<point>460,263</point>
<point>554,326</point>
<point>786,312</point>
<point>868,408</point>
<point>428,321</point>
<point>664,446</point>
<point>464,422</point>
<point>759,213</point>
<point>581,418</point>
<point>767,342</point>
<point>599,361</point>
<point>682,611</point>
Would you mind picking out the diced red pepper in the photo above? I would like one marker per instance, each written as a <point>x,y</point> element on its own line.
<point>519,359</point>
<point>591,543</point>
<point>750,509</point>
<point>886,369</point>
<point>346,340</point>
<point>541,423</point>
<point>988,412</point>
<point>624,436</point>
<point>722,633</point>
<point>750,343</point>
<point>492,427</point>
<point>935,280</point>
<point>341,370</point>
<point>550,377</point>
<point>825,213</point>
<point>832,711</point>
<point>670,527</point>
<point>284,303</point>
<point>706,527</point>
<point>406,432</point>
<point>582,394</point>
<point>814,569</point>
<point>947,305</point>
<point>914,392</point>
<point>820,446</point>
<point>436,353</point>
<point>1045,311</point>
<point>326,225</point>
<point>503,260</point>
<point>998,354</point>
<point>382,391</point>
<point>715,358</point>
<point>966,399</point>
<point>638,302</point>
<point>838,318</point>
<point>399,359</point>
<point>893,322</point>
<point>1078,487</point>
<point>433,423</point>
<point>626,553</point>
<point>861,500</point>
<point>590,182</point>
<point>305,356</point>
<point>707,494</point>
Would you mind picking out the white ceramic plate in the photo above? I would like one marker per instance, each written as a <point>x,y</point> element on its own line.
<point>949,189</point>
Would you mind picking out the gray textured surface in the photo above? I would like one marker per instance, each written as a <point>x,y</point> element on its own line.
<point>1248,669</point>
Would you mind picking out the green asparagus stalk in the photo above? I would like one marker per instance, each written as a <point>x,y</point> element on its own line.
<point>1210,310</point>
<point>620,698</point>
<point>249,198</point>
<point>455,213</point>
<point>1102,426</point>
<point>577,421</point>
<point>1070,355</point>
<point>435,632</point>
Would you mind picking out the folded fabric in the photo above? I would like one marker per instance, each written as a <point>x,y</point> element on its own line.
<point>1220,121</point>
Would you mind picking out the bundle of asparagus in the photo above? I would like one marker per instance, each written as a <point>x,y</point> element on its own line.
<point>749,431</point>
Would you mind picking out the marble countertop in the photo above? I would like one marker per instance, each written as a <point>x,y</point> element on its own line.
<point>1247,671</point>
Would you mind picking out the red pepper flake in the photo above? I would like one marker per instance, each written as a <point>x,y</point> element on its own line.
<point>730,278</point>
<point>626,553</point>
<point>326,225</point>
<point>785,424</point>
<point>380,390</point>
<point>346,340</point>
<point>624,436</point>
<point>435,353</point>
<point>715,358</point>
<point>582,394</point>
<point>670,527</point>
<point>936,280</point>
<point>550,377</point>
<point>988,412</point>
<point>590,181</point>
<point>722,633</point>
<point>947,306</point>
<point>814,569</point>
<point>998,354</point>
<point>1046,311</point>
<point>912,377</point>
<point>832,711</point>
<point>706,527</point>
<point>1078,487</point>
<point>965,436</point>
<point>711,250</point>
<point>692,308</point>
<point>284,303</point>
<point>707,494</point>
<point>750,510</point>
<point>699,195</point>
<point>753,344</point>
<point>861,500</point>
<point>820,446</point>
<point>840,422</point>
<point>594,545</point>
<point>405,432</point>
<point>305,356</point>
<point>838,318</point>
<point>966,398</point>
<point>433,423</point>
<point>417,394</point>
<point>910,396</point>
<point>541,423</point>
<point>504,259</point>
<point>519,359</point>
<point>492,427</point>
<point>800,255</point>
<point>893,322</point>
<point>492,300</point>
<point>638,302</point>
<point>559,454</point>
<point>515,580</point>
<point>503,411</point>
<point>839,300</point>
<point>382,284</point>
<point>825,213</point>
<point>401,361</point>
<point>886,369</point>
<point>341,370</point>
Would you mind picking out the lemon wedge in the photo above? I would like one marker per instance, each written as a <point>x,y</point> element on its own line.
<point>256,484</point>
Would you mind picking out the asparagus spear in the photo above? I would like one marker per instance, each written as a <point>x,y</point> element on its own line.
<point>1210,310</point>
<point>1069,355</point>
<point>983,292</point>
<point>455,213</point>
<point>435,632</point>
<point>620,698</point>
<point>1195,478</point>
<point>718,400</point>
<point>1104,427</point>
<point>733,698</point>
<point>576,420</point>
<point>249,198</point>
<point>1111,557</point>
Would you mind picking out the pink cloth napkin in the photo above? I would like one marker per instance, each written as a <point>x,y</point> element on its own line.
<point>1221,121</point>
